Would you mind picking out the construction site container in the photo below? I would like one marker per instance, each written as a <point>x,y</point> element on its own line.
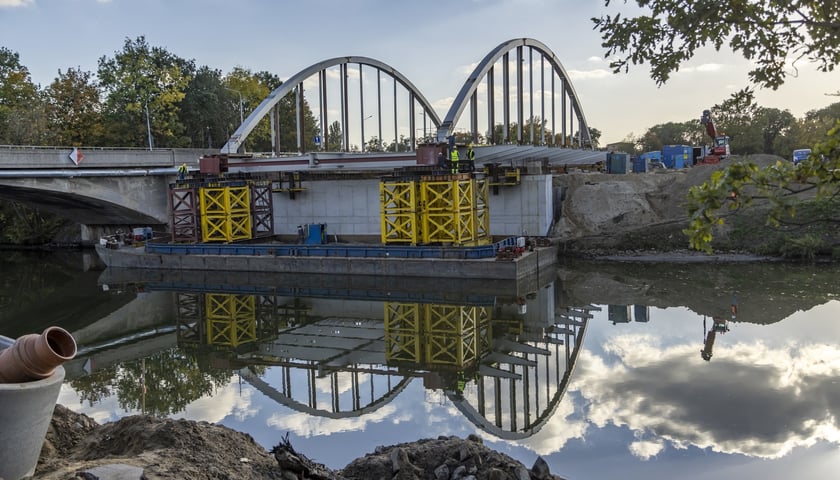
<point>677,156</point>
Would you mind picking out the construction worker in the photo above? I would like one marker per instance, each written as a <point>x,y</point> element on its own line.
<point>453,158</point>
<point>470,158</point>
<point>182,172</point>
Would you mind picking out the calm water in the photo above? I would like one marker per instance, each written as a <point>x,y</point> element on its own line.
<point>646,371</point>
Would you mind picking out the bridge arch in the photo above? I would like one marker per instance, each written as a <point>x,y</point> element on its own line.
<point>468,95</point>
<point>485,414</point>
<point>295,85</point>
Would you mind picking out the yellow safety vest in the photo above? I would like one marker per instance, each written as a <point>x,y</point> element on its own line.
<point>454,156</point>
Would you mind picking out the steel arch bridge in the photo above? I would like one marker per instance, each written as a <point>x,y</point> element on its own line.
<point>498,67</point>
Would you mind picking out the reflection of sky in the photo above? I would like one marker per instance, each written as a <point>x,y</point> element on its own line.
<point>641,401</point>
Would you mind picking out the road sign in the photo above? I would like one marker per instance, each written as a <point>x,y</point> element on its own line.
<point>76,156</point>
<point>317,139</point>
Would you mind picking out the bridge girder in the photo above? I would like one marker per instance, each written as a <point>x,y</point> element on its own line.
<point>292,84</point>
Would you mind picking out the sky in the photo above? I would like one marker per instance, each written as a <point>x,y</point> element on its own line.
<point>434,43</point>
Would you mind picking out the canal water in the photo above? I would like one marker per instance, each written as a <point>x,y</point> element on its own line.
<point>643,370</point>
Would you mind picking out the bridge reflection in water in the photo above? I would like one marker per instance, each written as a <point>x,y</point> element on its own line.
<point>503,354</point>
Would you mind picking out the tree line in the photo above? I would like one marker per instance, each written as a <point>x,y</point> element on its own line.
<point>751,128</point>
<point>141,96</point>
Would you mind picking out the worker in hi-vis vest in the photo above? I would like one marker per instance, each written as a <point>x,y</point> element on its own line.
<point>453,159</point>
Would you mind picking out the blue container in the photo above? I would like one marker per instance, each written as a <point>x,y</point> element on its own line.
<point>639,164</point>
<point>676,156</point>
<point>654,156</point>
<point>618,313</point>
<point>616,163</point>
<point>316,234</point>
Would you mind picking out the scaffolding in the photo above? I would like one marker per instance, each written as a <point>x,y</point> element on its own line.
<point>435,209</point>
<point>221,210</point>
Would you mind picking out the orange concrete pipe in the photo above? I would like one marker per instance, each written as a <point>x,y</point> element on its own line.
<point>34,356</point>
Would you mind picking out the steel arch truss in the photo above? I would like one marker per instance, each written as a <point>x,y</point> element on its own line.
<point>295,85</point>
<point>484,72</point>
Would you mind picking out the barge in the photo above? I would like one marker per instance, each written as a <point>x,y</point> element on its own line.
<point>506,259</point>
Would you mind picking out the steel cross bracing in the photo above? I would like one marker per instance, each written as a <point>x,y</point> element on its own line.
<point>572,130</point>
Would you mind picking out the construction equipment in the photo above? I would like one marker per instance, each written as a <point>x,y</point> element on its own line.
<point>719,325</point>
<point>720,143</point>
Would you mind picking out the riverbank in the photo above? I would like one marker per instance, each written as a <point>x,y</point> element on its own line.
<point>143,447</point>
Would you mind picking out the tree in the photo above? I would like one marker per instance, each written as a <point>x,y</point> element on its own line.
<point>74,109</point>
<point>335,138</point>
<point>144,86</point>
<point>206,111</point>
<point>670,133</point>
<point>21,109</point>
<point>766,33</point>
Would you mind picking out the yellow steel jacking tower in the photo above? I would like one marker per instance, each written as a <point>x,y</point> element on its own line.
<point>452,335</point>
<point>399,210</point>
<point>231,319</point>
<point>225,213</point>
<point>481,218</point>
<point>403,322</point>
<point>442,209</point>
<point>436,335</point>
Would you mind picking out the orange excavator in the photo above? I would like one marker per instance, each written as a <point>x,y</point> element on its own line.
<point>720,143</point>
<point>719,325</point>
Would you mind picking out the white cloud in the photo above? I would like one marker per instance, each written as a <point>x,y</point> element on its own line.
<point>703,68</point>
<point>16,3</point>
<point>786,396</point>
<point>645,449</point>
<point>596,73</point>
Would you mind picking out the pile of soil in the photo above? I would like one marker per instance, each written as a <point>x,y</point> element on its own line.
<point>157,448</point>
<point>637,211</point>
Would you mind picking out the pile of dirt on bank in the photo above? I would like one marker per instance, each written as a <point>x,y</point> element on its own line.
<point>142,447</point>
<point>645,211</point>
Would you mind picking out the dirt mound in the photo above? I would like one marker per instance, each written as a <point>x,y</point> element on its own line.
<point>179,449</point>
<point>632,210</point>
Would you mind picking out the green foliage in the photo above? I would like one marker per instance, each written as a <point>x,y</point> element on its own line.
<point>162,384</point>
<point>144,85</point>
<point>669,32</point>
<point>781,186</point>
<point>22,225</point>
<point>74,109</point>
<point>22,120</point>
<point>671,133</point>
<point>805,247</point>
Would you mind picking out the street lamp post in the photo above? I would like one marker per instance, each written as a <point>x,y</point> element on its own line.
<point>241,115</point>
<point>363,130</point>
<point>148,125</point>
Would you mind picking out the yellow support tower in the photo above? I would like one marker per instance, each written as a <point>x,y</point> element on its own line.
<point>452,335</point>
<point>448,210</point>
<point>231,319</point>
<point>225,213</point>
<point>403,332</point>
<point>399,212</point>
<point>481,217</point>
